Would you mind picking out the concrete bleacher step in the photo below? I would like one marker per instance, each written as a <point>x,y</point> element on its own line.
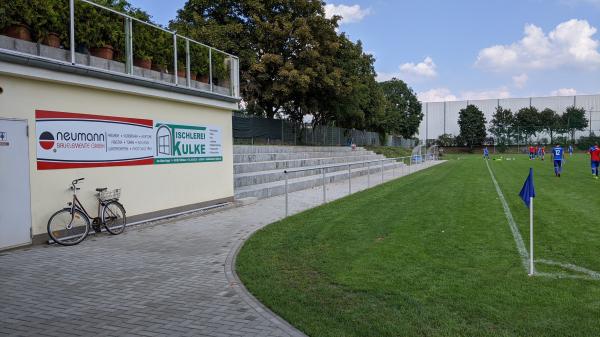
<point>261,166</point>
<point>253,149</point>
<point>274,188</point>
<point>262,177</point>
<point>258,157</point>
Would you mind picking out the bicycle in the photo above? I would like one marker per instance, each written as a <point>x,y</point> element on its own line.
<point>71,225</point>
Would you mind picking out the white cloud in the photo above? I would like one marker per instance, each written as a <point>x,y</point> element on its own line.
<point>421,69</point>
<point>444,94</point>
<point>349,14</point>
<point>520,80</point>
<point>437,95</point>
<point>564,92</point>
<point>569,43</point>
<point>410,70</point>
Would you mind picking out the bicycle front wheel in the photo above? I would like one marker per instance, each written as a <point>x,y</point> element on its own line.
<point>113,217</point>
<point>67,228</point>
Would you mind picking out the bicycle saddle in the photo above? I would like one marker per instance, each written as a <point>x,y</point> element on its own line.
<point>101,189</point>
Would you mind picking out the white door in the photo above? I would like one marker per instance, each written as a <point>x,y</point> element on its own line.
<point>15,204</point>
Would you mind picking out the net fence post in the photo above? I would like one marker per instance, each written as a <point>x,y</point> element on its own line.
<point>286,193</point>
<point>324,187</point>
<point>349,180</point>
<point>369,174</point>
<point>382,170</point>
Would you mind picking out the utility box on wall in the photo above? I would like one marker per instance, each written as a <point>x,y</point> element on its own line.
<point>170,151</point>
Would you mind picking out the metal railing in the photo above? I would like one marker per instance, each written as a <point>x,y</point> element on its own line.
<point>411,160</point>
<point>176,60</point>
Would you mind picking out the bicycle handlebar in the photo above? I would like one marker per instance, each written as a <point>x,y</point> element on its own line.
<point>74,182</point>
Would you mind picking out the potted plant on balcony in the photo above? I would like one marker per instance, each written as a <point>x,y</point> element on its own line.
<point>100,31</point>
<point>16,17</point>
<point>143,40</point>
<point>52,22</point>
<point>161,51</point>
<point>199,62</point>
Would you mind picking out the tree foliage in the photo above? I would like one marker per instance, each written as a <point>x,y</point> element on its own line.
<point>293,62</point>
<point>527,122</point>
<point>472,125</point>
<point>550,122</point>
<point>574,119</point>
<point>403,110</point>
<point>501,126</point>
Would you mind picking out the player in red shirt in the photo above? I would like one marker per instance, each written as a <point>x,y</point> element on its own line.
<point>595,157</point>
<point>531,152</point>
<point>542,152</point>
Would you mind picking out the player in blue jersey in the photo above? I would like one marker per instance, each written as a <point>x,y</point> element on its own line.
<point>557,155</point>
<point>486,153</point>
<point>570,150</point>
<point>590,151</point>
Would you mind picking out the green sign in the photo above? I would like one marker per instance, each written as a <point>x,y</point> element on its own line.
<point>176,143</point>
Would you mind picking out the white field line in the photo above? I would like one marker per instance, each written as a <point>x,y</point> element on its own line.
<point>511,222</point>
<point>589,274</point>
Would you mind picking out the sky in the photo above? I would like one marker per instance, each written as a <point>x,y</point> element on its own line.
<point>469,49</point>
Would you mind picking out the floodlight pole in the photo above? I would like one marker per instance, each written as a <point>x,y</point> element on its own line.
<point>531,269</point>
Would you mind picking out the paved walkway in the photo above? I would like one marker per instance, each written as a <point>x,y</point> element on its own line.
<point>173,278</point>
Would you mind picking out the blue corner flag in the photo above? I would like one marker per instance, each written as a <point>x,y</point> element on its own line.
<point>528,190</point>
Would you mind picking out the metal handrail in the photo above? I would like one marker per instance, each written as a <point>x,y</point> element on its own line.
<point>324,168</point>
<point>153,25</point>
<point>341,165</point>
<point>231,91</point>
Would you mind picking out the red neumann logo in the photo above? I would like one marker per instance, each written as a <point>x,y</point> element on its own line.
<point>46,140</point>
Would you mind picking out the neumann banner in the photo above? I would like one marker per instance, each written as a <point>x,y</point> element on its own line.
<point>72,140</point>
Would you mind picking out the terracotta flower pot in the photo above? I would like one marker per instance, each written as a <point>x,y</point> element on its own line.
<point>203,78</point>
<point>52,40</point>
<point>181,72</point>
<point>158,67</point>
<point>143,63</point>
<point>193,76</point>
<point>18,31</point>
<point>106,52</point>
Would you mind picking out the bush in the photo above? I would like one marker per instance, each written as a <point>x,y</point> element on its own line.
<point>446,140</point>
<point>584,143</point>
<point>14,12</point>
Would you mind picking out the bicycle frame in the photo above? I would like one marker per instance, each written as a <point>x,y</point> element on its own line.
<point>76,204</point>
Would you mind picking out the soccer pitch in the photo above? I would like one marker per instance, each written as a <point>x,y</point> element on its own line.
<point>433,254</point>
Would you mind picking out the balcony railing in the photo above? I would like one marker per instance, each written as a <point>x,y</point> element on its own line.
<point>94,36</point>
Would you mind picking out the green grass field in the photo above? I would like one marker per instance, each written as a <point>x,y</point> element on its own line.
<point>432,254</point>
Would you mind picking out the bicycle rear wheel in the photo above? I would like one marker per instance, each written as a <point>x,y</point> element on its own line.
<point>68,229</point>
<point>113,217</point>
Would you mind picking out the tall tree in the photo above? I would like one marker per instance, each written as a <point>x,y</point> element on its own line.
<point>472,125</point>
<point>287,50</point>
<point>501,126</point>
<point>574,119</point>
<point>527,122</point>
<point>403,110</point>
<point>550,122</point>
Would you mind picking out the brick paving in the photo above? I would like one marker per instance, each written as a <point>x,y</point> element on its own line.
<point>172,278</point>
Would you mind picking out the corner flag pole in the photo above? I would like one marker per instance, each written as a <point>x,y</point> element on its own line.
<point>531,270</point>
<point>527,194</point>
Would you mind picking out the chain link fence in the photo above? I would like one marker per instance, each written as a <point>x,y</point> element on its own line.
<point>255,130</point>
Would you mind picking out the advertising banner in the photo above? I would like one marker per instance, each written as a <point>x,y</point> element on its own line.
<point>187,143</point>
<point>73,140</point>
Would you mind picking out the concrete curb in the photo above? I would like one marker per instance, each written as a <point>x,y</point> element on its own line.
<point>238,286</point>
